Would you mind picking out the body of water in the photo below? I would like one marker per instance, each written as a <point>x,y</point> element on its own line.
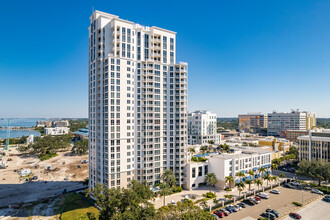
<point>21,122</point>
<point>18,133</point>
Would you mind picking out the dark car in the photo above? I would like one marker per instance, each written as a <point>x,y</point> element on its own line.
<point>295,215</point>
<point>276,213</point>
<point>35,178</point>
<point>224,211</point>
<point>288,185</point>
<point>229,209</point>
<point>268,215</point>
<point>249,202</point>
<point>243,205</point>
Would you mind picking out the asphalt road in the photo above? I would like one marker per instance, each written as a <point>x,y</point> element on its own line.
<point>281,203</point>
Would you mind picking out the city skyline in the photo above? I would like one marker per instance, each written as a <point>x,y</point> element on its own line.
<point>246,57</point>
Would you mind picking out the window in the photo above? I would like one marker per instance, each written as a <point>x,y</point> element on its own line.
<point>193,173</point>
<point>206,170</point>
<point>200,171</point>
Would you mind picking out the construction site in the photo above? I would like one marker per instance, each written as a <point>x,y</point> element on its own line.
<point>27,179</point>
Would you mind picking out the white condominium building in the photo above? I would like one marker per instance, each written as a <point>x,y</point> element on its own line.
<point>295,120</point>
<point>315,146</point>
<point>202,128</point>
<point>242,160</point>
<point>137,103</point>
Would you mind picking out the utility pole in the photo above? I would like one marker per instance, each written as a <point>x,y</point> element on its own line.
<point>7,135</point>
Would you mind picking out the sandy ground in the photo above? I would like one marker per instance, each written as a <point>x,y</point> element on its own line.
<point>64,174</point>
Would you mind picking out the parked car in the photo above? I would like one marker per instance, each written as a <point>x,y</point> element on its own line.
<point>172,202</point>
<point>249,202</point>
<point>35,178</point>
<point>254,200</point>
<point>237,207</point>
<point>326,199</point>
<point>219,213</point>
<point>263,195</point>
<point>257,198</point>
<point>275,191</point>
<point>268,215</point>
<point>229,209</point>
<point>215,216</point>
<point>317,191</point>
<point>276,213</point>
<point>243,205</point>
<point>288,185</point>
<point>295,215</point>
<point>225,211</point>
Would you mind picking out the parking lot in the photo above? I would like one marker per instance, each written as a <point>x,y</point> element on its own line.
<point>281,203</point>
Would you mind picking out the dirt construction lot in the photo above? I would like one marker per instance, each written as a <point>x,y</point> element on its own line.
<point>281,203</point>
<point>64,173</point>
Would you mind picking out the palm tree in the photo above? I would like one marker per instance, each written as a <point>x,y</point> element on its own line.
<point>249,182</point>
<point>267,177</point>
<point>262,170</point>
<point>251,173</point>
<point>210,179</point>
<point>240,187</point>
<point>192,150</point>
<point>240,175</point>
<point>282,175</point>
<point>215,201</point>
<point>164,190</point>
<point>258,182</point>
<point>168,177</point>
<point>274,178</point>
<point>229,179</point>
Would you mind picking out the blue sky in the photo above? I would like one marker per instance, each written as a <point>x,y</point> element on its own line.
<point>244,56</point>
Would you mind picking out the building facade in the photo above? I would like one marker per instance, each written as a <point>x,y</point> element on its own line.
<point>242,160</point>
<point>202,128</point>
<point>137,103</point>
<point>252,122</point>
<point>283,121</point>
<point>315,145</point>
<point>56,131</point>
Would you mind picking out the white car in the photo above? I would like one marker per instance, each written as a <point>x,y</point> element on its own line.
<point>317,191</point>
<point>235,208</point>
<point>263,195</point>
<point>275,191</point>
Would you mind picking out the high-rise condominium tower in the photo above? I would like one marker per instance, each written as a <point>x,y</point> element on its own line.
<point>137,103</point>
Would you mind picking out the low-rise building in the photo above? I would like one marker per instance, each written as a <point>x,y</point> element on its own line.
<point>202,128</point>
<point>278,144</point>
<point>44,123</point>
<point>315,145</point>
<point>81,133</point>
<point>56,131</point>
<point>243,159</point>
<point>62,123</point>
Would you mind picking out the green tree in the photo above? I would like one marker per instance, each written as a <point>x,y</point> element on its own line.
<point>80,147</point>
<point>240,187</point>
<point>164,191</point>
<point>282,175</point>
<point>168,177</point>
<point>229,180</point>
<point>240,175</point>
<point>249,182</point>
<point>251,173</point>
<point>258,182</point>
<point>210,179</point>
<point>262,170</point>
<point>315,169</point>
<point>267,177</point>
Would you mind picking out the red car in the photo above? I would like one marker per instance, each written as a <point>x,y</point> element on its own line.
<point>219,213</point>
<point>257,198</point>
<point>295,215</point>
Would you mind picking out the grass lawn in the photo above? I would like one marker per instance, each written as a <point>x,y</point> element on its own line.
<point>73,206</point>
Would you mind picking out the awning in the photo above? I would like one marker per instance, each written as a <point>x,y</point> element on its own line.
<point>249,178</point>
<point>237,181</point>
<point>255,169</point>
<point>242,171</point>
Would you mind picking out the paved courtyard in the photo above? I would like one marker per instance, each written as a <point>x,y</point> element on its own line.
<point>319,210</point>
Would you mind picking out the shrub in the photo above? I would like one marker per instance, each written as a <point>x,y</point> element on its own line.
<point>209,195</point>
<point>177,189</point>
<point>297,203</point>
<point>193,197</point>
<point>194,159</point>
<point>228,189</point>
